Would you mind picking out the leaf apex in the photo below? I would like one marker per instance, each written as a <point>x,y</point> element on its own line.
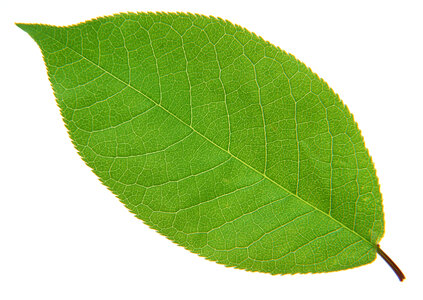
<point>30,28</point>
<point>24,26</point>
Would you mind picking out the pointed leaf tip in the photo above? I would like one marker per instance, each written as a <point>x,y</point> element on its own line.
<point>24,26</point>
<point>28,28</point>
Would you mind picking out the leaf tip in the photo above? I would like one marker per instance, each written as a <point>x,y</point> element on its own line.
<point>23,26</point>
<point>20,25</point>
<point>33,29</point>
<point>28,28</point>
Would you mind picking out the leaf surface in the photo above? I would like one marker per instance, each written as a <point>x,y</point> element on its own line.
<point>217,139</point>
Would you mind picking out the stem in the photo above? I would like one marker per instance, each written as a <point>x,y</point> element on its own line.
<point>389,261</point>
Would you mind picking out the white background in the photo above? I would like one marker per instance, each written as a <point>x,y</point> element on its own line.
<point>65,236</point>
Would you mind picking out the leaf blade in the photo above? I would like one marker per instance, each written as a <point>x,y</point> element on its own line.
<point>232,158</point>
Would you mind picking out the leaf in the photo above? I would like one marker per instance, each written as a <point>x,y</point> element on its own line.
<point>222,142</point>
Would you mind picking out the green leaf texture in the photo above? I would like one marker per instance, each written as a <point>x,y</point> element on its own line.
<point>222,142</point>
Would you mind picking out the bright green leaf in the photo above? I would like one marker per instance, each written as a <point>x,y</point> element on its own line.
<point>217,139</point>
